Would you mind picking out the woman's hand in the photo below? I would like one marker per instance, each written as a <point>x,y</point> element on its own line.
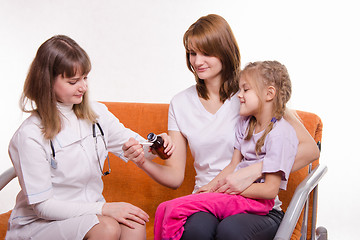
<point>237,182</point>
<point>168,144</point>
<point>134,151</point>
<point>122,212</point>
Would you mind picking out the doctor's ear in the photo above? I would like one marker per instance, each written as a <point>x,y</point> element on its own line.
<point>270,94</point>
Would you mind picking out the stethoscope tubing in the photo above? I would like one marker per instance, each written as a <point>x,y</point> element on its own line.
<point>53,162</point>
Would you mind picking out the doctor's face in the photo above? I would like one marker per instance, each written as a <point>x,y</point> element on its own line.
<point>70,90</point>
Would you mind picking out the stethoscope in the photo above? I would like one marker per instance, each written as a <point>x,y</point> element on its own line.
<point>53,161</point>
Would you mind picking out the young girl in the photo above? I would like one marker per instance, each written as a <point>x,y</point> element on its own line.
<point>59,154</point>
<point>262,135</point>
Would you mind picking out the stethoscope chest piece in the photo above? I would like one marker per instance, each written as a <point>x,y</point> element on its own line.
<point>53,163</point>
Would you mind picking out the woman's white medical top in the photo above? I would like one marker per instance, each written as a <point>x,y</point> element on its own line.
<point>77,177</point>
<point>211,137</point>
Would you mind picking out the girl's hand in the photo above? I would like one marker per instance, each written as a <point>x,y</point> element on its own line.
<point>237,182</point>
<point>134,151</point>
<point>122,212</point>
<point>205,189</point>
<point>168,144</point>
<point>232,184</point>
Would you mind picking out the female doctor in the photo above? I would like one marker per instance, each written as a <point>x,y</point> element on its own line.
<point>59,154</point>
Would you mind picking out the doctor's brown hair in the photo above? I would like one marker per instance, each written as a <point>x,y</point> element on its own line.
<point>263,74</point>
<point>212,35</point>
<point>59,55</point>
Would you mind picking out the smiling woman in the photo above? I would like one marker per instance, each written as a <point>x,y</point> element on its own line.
<point>207,125</point>
<point>205,66</point>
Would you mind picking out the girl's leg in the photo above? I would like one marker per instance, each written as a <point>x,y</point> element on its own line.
<point>200,225</point>
<point>171,216</point>
<point>249,226</point>
<point>107,228</point>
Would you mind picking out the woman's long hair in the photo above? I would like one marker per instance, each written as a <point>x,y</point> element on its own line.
<point>264,74</point>
<point>213,36</point>
<point>59,55</point>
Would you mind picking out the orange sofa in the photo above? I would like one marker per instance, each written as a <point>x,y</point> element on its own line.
<point>127,183</point>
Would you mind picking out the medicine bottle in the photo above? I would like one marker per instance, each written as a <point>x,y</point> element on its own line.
<point>158,145</point>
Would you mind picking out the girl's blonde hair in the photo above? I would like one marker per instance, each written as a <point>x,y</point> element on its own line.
<point>213,36</point>
<point>264,74</point>
<point>59,55</point>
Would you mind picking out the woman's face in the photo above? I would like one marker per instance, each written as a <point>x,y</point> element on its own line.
<point>70,90</point>
<point>206,67</point>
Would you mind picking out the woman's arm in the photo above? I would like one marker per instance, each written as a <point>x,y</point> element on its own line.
<point>307,149</point>
<point>266,190</point>
<point>53,209</point>
<point>171,173</point>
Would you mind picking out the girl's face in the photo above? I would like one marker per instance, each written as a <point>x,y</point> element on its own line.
<point>206,67</point>
<point>70,90</point>
<point>249,100</point>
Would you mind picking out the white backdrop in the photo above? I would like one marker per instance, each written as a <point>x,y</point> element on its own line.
<point>137,55</point>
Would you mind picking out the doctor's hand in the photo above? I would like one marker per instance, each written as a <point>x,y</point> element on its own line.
<point>123,212</point>
<point>134,151</point>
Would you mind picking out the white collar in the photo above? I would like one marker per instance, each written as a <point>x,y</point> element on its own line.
<point>64,108</point>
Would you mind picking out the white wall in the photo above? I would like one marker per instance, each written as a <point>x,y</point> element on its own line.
<point>137,55</point>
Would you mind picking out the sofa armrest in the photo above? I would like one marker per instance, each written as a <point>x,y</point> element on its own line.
<point>6,177</point>
<point>297,203</point>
